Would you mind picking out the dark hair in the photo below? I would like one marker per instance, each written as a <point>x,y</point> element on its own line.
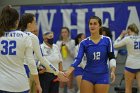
<point>77,38</point>
<point>24,20</point>
<point>66,29</point>
<point>8,19</point>
<point>107,31</point>
<point>97,18</point>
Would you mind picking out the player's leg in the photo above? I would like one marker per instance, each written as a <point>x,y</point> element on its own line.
<point>87,83</point>
<point>70,88</point>
<point>129,77</point>
<point>101,88</point>
<point>138,79</point>
<point>78,76</point>
<point>78,80</point>
<point>102,83</point>
<point>86,87</point>
<point>61,87</point>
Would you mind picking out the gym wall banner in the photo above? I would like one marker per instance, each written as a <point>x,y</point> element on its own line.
<point>116,16</point>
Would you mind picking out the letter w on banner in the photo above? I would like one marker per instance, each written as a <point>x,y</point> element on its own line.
<point>116,16</point>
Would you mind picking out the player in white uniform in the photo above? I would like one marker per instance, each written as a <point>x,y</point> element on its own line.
<point>31,26</point>
<point>15,46</point>
<point>132,66</point>
<point>28,24</point>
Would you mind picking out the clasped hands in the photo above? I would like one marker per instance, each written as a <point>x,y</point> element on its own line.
<point>63,76</point>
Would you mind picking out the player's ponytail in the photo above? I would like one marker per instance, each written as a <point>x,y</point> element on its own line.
<point>8,19</point>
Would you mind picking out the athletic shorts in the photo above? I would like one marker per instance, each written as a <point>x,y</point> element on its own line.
<point>78,71</point>
<point>96,78</point>
<point>1,91</point>
<point>132,70</point>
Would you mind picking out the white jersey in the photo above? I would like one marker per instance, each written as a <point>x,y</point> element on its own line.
<point>84,59</point>
<point>14,47</point>
<point>38,55</point>
<point>133,47</point>
<point>70,58</point>
<point>52,54</point>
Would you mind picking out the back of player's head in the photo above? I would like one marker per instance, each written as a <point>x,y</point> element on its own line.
<point>8,19</point>
<point>133,28</point>
<point>77,38</point>
<point>97,18</point>
<point>24,20</point>
<point>106,30</point>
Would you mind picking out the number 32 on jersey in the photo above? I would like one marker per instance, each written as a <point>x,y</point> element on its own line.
<point>8,47</point>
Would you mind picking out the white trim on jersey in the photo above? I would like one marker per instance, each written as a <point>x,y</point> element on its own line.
<point>111,49</point>
<point>37,51</point>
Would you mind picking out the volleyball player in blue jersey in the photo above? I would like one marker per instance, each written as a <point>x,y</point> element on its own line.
<point>98,50</point>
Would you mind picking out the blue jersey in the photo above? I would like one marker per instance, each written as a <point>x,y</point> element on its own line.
<point>97,54</point>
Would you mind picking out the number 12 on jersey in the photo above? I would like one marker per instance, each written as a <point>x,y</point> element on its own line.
<point>96,56</point>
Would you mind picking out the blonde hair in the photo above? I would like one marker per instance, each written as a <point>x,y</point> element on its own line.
<point>133,28</point>
<point>49,32</point>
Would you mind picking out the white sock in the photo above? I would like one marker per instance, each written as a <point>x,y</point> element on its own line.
<point>78,91</point>
<point>61,90</point>
<point>71,90</point>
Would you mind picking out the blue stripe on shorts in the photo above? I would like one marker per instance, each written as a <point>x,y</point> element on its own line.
<point>132,70</point>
